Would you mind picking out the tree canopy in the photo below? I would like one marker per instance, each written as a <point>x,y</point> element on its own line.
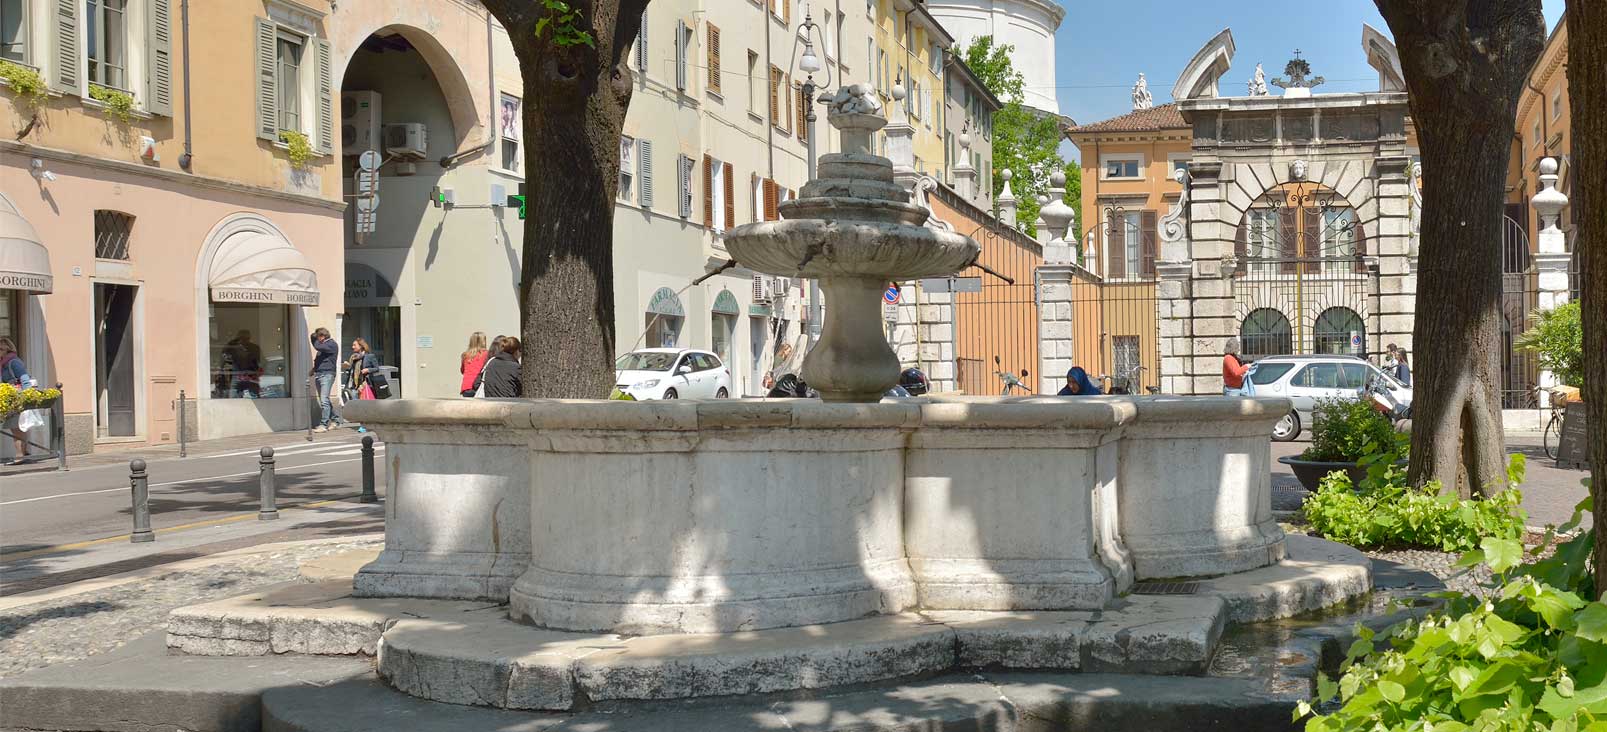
<point>1025,141</point>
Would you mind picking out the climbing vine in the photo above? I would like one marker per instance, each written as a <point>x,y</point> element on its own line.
<point>300,147</point>
<point>119,104</point>
<point>563,18</point>
<point>26,83</point>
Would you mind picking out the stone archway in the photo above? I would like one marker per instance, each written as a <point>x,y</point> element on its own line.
<point>471,110</point>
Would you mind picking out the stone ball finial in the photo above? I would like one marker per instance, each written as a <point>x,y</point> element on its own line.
<point>1058,180</point>
<point>899,93</point>
<point>856,113</point>
<point>1548,166</point>
<point>1006,174</point>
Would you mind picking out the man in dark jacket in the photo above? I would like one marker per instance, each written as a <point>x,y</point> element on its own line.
<point>325,353</point>
<point>501,373</point>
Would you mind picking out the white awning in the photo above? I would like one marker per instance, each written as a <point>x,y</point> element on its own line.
<point>24,260</point>
<point>263,268</point>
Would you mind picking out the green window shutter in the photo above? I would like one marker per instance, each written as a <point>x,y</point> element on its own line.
<point>67,78</point>
<point>326,97</point>
<point>267,81</point>
<point>159,58</point>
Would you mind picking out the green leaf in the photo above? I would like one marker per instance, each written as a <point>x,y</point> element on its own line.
<point>1592,700</point>
<point>541,24</point>
<point>1592,622</point>
<point>1391,691</point>
<point>1326,687</point>
<point>1502,554</point>
<point>1462,676</point>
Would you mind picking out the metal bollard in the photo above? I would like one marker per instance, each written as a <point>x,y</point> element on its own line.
<point>316,413</point>
<point>269,511</point>
<point>369,496</point>
<point>183,436</point>
<point>140,483</point>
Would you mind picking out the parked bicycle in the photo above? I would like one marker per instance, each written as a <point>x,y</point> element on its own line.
<point>1123,383</point>
<point>1551,435</point>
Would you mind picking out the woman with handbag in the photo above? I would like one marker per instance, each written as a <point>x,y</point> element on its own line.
<point>471,363</point>
<point>375,384</point>
<point>14,373</point>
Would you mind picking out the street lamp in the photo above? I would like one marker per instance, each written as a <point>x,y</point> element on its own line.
<point>810,64</point>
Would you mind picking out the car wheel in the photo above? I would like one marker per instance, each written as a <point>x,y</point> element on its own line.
<point>670,394</point>
<point>722,394</point>
<point>1287,428</point>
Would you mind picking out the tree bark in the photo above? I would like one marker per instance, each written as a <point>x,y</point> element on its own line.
<point>575,97</point>
<point>1587,91</point>
<point>1465,62</point>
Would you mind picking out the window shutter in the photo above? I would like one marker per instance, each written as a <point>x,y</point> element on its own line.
<point>69,56</point>
<point>326,96</point>
<point>683,168</point>
<point>1241,246</point>
<point>644,172</point>
<point>786,11</point>
<point>1118,247</point>
<point>714,58</point>
<point>786,119</point>
<point>1361,247</point>
<point>1313,225</point>
<point>730,198</point>
<point>267,82</point>
<point>708,191</point>
<point>680,55</point>
<point>803,111</point>
<point>775,104</point>
<point>769,188</point>
<point>1147,248</point>
<point>1288,239</point>
<point>159,58</point>
<point>641,45</point>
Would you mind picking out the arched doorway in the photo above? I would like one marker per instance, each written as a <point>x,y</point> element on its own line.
<point>1265,332</point>
<point>1339,330</point>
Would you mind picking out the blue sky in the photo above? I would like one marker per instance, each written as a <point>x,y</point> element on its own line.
<point>1102,46</point>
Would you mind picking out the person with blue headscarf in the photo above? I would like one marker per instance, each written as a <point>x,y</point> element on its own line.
<point>1078,384</point>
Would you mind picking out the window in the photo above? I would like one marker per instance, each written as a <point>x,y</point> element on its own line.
<point>288,58</point>
<point>1556,104</point>
<point>714,57</point>
<point>1122,167</point>
<point>1535,133</point>
<point>911,107</point>
<point>719,195</point>
<point>644,173</point>
<point>627,166</point>
<point>1338,239</point>
<point>295,88</point>
<point>1339,330</point>
<point>881,72</point>
<point>1178,162</point>
<point>935,54</point>
<point>641,46</point>
<point>14,30</point>
<point>1263,239</point>
<point>107,28</point>
<point>683,44</point>
<point>112,229</point>
<point>801,112</point>
<point>1126,238</point>
<point>511,131</point>
<point>1126,362</point>
<point>1265,332</point>
<point>753,82</point>
<point>249,352</point>
<point>775,95</point>
<point>1267,373</point>
<point>826,29</point>
<point>684,176</point>
<point>1318,376</point>
<point>723,326</point>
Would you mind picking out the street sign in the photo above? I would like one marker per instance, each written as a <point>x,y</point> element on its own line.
<point>892,296</point>
<point>1355,341</point>
<point>519,201</point>
<point>369,160</point>
<point>890,312</point>
<point>938,285</point>
<point>366,184</point>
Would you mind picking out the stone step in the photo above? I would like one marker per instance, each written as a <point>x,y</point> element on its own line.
<point>978,702</point>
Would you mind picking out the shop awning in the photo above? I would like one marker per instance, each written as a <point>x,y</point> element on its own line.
<point>24,260</point>
<point>262,268</point>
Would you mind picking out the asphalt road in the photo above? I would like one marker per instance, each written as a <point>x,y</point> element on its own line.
<point>46,509</point>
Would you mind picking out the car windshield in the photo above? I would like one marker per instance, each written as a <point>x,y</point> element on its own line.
<point>1267,373</point>
<point>645,361</point>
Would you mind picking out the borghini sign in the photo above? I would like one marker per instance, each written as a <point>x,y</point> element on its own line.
<point>264,297</point>
<point>26,282</point>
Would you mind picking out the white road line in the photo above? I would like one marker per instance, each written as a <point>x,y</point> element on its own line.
<point>173,482</point>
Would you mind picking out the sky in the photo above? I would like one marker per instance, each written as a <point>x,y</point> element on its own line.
<point>1102,46</point>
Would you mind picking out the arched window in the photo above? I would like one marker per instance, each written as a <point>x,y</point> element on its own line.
<point>1265,332</point>
<point>724,325</point>
<point>1339,331</point>
<point>665,315</point>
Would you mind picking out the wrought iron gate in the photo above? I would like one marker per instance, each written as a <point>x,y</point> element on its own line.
<point>1116,336</point>
<point>997,329</point>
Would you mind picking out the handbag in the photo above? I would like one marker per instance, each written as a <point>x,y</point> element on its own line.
<point>366,392</point>
<point>30,419</point>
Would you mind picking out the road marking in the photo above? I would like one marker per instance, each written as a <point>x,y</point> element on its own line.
<point>181,527</point>
<point>173,482</point>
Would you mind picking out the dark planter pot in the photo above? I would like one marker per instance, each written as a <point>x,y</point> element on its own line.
<point>1311,472</point>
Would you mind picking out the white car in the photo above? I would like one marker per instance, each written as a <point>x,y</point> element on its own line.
<point>672,373</point>
<point>1307,378</point>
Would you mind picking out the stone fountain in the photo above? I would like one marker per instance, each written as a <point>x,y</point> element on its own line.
<point>855,231</point>
<point>557,554</point>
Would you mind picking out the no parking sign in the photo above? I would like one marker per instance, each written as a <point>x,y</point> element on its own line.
<point>892,296</point>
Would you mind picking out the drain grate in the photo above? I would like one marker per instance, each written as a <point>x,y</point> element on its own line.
<point>1166,588</point>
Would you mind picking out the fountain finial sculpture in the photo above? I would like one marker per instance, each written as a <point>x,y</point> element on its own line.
<point>857,232</point>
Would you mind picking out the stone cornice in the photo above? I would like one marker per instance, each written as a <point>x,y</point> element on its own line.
<point>1349,100</point>
<point>137,169</point>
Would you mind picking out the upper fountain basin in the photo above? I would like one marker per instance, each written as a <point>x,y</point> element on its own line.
<point>849,246</point>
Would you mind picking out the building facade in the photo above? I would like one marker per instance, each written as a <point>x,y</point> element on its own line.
<point>1027,25</point>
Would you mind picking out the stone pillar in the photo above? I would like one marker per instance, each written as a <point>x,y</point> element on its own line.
<point>1389,244</point>
<point>923,336</point>
<point>1055,326</point>
<point>1057,218</point>
<point>1207,295</point>
<point>901,142</point>
<point>1007,200</point>
<point>1552,260</point>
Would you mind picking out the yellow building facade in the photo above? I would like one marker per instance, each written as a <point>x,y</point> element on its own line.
<point>906,49</point>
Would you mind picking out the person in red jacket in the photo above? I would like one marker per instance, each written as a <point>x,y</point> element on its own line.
<point>1233,367</point>
<point>470,363</point>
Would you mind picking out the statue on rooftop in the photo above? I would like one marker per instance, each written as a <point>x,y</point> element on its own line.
<point>1142,99</point>
<point>1258,83</point>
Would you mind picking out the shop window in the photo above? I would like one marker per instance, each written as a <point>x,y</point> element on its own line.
<point>112,230</point>
<point>249,351</point>
<point>11,315</point>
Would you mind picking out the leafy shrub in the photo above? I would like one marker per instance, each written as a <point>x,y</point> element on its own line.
<point>1344,428</point>
<point>119,104</point>
<point>1386,512</point>
<point>298,146</point>
<point>26,83</point>
<point>1530,656</point>
<point>1558,339</point>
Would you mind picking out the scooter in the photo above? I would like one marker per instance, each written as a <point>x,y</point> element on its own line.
<point>1377,393</point>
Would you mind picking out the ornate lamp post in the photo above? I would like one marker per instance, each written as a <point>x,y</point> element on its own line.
<point>810,64</point>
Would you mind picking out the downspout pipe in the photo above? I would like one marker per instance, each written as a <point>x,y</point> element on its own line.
<point>188,158</point>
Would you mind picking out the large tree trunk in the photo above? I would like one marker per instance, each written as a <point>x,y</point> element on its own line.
<point>1587,91</point>
<point>575,97</point>
<point>1465,62</point>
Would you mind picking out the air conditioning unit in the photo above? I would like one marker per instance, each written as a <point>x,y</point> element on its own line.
<point>761,289</point>
<point>406,139</point>
<point>359,122</point>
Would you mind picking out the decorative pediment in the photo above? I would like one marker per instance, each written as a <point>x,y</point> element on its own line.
<point>1206,68</point>
<point>1381,55</point>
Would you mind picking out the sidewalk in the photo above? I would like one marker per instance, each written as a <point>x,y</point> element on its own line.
<point>120,454</point>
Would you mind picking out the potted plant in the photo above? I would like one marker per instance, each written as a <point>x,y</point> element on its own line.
<point>1339,440</point>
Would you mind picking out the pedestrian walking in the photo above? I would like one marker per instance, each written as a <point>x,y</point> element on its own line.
<point>1391,361</point>
<point>368,373</point>
<point>325,353</point>
<point>501,373</point>
<point>1403,372</point>
<point>472,363</point>
<point>1233,367</point>
<point>13,372</point>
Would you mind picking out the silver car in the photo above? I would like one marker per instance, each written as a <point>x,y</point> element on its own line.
<point>1305,379</point>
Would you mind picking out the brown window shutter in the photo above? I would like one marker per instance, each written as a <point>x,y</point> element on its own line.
<point>730,197</point>
<point>1288,239</point>
<point>803,109</point>
<point>708,191</point>
<point>775,103</point>
<point>1241,245</point>
<point>1118,248</point>
<point>714,58</point>
<point>786,11</point>
<point>1147,248</point>
<point>786,117</point>
<point>770,200</point>
<point>1361,247</point>
<point>1314,229</point>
